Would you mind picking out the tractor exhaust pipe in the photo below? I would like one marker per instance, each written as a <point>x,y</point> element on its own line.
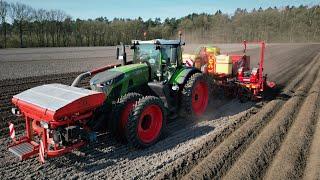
<point>123,56</point>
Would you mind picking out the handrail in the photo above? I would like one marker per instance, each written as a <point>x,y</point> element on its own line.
<point>92,72</point>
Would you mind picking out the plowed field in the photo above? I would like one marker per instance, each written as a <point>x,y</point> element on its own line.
<point>273,139</point>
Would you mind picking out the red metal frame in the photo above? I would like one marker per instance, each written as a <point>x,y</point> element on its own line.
<point>95,71</point>
<point>255,82</point>
<point>78,112</point>
<point>256,85</point>
<point>24,139</point>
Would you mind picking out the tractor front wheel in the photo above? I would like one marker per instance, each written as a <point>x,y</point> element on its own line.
<point>195,96</point>
<point>121,113</point>
<point>146,122</point>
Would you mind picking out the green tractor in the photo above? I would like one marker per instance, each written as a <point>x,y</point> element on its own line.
<point>144,93</point>
<point>133,101</point>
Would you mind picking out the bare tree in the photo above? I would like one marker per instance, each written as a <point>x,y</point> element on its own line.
<point>20,13</point>
<point>40,19</point>
<point>39,27</point>
<point>61,16</point>
<point>4,6</point>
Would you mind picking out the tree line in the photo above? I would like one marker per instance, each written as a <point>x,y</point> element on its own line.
<point>24,26</point>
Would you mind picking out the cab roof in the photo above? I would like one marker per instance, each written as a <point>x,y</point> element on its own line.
<point>158,42</point>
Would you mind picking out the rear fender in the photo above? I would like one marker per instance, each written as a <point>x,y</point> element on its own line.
<point>181,76</point>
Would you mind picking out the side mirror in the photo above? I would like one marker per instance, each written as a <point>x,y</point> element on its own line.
<point>117,52</point>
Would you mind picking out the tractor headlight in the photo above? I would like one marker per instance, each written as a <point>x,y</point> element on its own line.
<point>105,84</point>
<point>16,112</point>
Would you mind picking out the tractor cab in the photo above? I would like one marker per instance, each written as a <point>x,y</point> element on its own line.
<point>162,56</point>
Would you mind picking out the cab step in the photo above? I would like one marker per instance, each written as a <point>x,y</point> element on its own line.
<point>23,150</point>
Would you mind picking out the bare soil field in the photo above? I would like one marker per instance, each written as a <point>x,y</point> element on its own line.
<point>18,63</point>
<point>274,139</point>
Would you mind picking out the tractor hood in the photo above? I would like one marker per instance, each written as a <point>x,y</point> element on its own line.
<point>107,80</point>
<point>54,101</point>
<point>117,74</point>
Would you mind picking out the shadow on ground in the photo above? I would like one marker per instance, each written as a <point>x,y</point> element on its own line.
<point>107,151</point>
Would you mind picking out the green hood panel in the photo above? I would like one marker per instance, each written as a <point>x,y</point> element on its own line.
<point>179,77</point>
<point>117,74</point>
<point>118,81</point>
<point>130,68</point>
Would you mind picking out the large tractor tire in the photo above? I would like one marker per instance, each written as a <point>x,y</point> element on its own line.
<point>122,110</point>
<point>147,122</point>
<point>195,96</point>
<point>99,122</point>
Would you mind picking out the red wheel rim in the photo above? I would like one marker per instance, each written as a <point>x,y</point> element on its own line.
<point>150,123</point>
<point>125,116</point>
<point>200,98</point>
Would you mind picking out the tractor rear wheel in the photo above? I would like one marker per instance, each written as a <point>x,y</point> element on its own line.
<point>121,113</point>
<point>146,122</point>
<point>195,96</point>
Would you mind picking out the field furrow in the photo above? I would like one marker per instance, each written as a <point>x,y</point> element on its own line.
<point>254,161</point>
<point>229,148</point>
<point>289,162</point>
<point>312,170</point>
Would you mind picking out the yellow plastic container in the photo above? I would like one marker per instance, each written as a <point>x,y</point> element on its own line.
<point>214,50</point>
<point>223,65</point>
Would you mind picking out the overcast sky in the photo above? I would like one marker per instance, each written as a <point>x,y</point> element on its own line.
<point>146,9</point>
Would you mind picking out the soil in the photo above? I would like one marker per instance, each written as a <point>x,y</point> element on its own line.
<point>252,140</point>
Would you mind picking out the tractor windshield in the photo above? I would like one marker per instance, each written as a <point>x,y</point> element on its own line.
<point>148,53</point>
<point>163,59</point>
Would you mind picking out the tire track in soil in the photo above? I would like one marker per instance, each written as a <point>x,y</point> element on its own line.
<point>312,170</point>
<point>182,167</point>
<point>289,70</point>
<point>121,151</point>
<point>244,131</point>
<point>289,161</point>
<point>254,161</point>
<point>176,136</point>
<point>167,141</point>
<point>217,161</point>
<point>68,164</point>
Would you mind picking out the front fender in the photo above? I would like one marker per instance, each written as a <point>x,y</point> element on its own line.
<point>182,75</point>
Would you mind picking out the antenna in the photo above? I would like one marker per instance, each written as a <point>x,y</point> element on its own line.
<point>180,35</point>
<point>145,35</point>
